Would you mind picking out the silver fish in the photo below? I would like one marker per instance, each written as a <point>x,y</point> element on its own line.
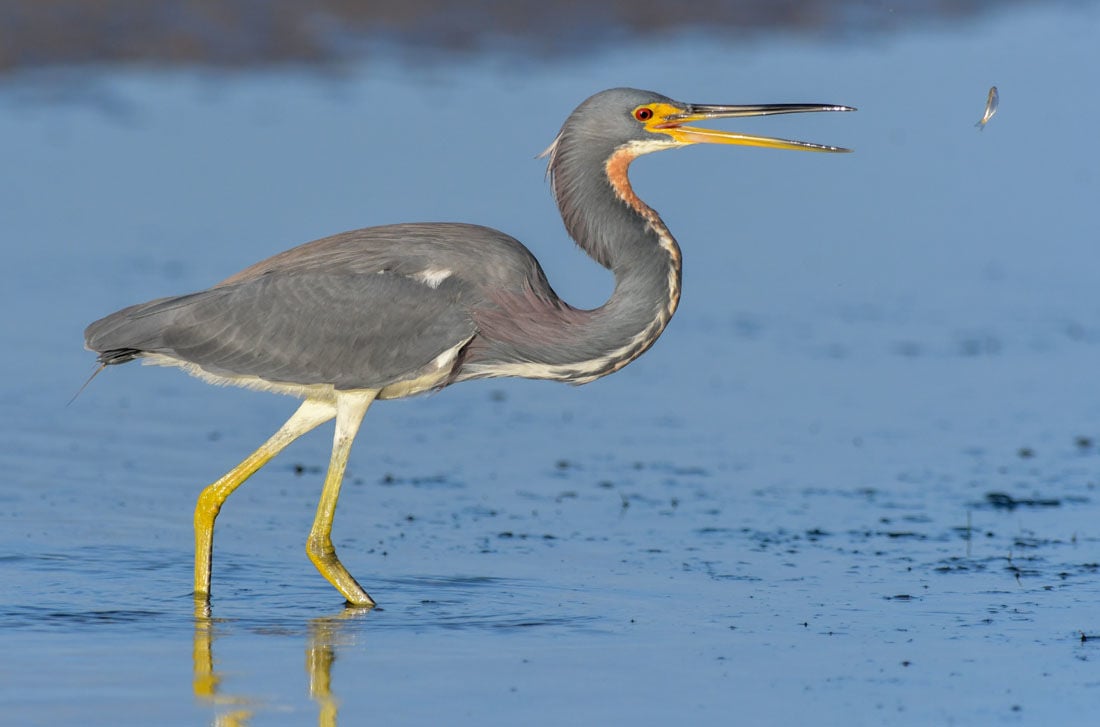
<point>991,104</point>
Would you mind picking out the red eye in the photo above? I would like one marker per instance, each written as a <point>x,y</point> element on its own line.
<point>643,114</point>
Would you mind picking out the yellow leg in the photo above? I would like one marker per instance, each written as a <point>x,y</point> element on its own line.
<point>350,408</point>
<point>309,415</point>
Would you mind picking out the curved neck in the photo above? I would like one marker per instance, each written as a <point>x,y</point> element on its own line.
<point>548,339</point>
<point>609,222</point>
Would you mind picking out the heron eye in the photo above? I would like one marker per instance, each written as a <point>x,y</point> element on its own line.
<point>643,114</point>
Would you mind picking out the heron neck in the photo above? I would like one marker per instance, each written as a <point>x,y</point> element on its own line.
<point>536,335</point>
<point>608,221</point>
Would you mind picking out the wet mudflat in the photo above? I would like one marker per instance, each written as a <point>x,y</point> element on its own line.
<point>855,482</point>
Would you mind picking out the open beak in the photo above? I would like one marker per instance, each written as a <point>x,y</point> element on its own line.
<point>673,125</point>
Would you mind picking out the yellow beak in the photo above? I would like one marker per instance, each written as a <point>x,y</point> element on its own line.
<point>670,120</point>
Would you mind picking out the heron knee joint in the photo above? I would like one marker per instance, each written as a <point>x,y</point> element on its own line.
<point>320,548</point>
<point>210,502</point>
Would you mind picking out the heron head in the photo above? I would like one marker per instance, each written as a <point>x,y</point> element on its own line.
<point>648,122</point>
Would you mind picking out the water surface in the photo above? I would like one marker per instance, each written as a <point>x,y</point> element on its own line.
<point>854,482</point>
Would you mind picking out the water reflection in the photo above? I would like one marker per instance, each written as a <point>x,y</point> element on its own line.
<point>324,636</point>
<point>231,710</point>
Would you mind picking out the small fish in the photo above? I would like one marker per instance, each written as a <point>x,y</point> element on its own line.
<point>990,107</point>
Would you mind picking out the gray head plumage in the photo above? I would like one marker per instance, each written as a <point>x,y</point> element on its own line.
<point>589,137</point>
<point>604,120</point>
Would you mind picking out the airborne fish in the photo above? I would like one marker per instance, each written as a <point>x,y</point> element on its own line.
<point>990,108</point>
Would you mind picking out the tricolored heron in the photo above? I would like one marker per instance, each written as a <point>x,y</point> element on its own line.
<point>389,312</point>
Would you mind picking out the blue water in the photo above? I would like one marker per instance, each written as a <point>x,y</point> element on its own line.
<point>780,513</point>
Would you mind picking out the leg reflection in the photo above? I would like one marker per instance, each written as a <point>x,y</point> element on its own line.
<point>325,635</point>
<point>231,711</point>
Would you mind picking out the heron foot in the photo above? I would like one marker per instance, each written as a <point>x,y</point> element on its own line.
<point>323,556</point>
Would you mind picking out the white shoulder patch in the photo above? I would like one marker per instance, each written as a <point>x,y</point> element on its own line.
<point>432,277</point>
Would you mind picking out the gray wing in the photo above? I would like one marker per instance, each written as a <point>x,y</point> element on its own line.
<point>361,309</point>
<point>351,331</point>
<point>484,258</point>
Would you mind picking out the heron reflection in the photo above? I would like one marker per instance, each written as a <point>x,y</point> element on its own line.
<point>324,638</point>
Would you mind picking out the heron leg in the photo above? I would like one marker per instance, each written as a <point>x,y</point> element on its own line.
<point>308,416</point>
<point>350,408</point>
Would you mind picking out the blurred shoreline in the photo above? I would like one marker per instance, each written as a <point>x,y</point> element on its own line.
<point>246,33</point>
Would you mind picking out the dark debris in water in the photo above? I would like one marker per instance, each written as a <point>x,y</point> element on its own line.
<point>1083,569</point>
<point>681,470</point>
<point>1020,572</point>
<point>712,530</point>
<point>1005,501</point>
<point>866,535</point>
<point>510,535</point>
<point>979,344</point>
<point>302,469</point>
<point>391,479</point>
<point>1027,543</point>
<point>958,564</point>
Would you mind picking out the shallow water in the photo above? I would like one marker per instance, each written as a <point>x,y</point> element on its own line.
<point>854,482</point>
